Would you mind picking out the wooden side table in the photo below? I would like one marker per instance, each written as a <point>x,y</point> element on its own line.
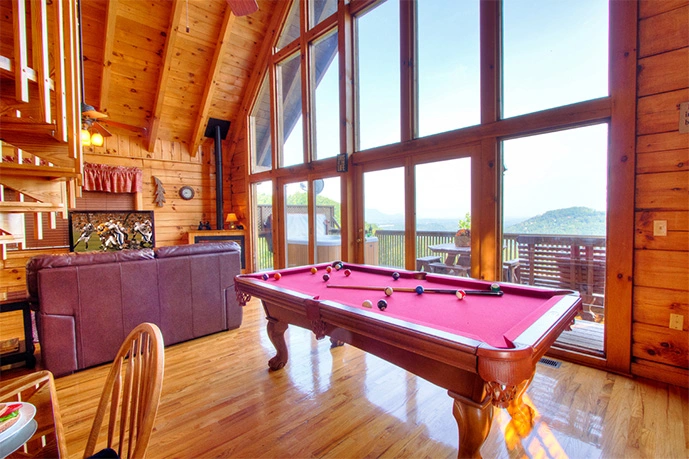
<point>20,303</point>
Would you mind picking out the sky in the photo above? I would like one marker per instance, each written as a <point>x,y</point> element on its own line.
<point>555,53</point>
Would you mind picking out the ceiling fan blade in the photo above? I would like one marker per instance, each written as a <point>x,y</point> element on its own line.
<point>101,130</point>
<point>243,7</point>
<point>129,127</point>
<point>88,111</point>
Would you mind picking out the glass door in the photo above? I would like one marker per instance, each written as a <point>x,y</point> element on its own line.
<point>554,221</point>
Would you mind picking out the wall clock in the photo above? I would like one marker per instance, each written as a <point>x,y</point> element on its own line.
<point>186,193</point>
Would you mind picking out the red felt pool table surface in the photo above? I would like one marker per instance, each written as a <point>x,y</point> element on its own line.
<point>494,320</point>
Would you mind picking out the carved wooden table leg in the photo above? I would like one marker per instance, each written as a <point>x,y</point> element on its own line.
<point>473,420</point>
<point>276,333</point>
<point>521,413</point>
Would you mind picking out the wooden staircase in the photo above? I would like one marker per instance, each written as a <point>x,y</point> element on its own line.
<point>40,118</point>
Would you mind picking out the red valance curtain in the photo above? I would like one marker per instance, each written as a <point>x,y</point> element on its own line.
<point>112,179</point>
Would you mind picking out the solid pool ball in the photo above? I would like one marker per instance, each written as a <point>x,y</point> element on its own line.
<point>277,276</point>
<point>388,291</point>
<point>265,277</point>
<point>382,305</point>
<point>395,275</point>
<point>347,272</point>
<point>367,304</point>
<point>329,269</point>
<point>326,277</point>
<point>495,287</point>
<point>419,290</point>
<point>460,294</point>
<point>314,270</point>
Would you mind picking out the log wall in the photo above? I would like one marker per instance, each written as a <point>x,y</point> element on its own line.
<point>661,263</point>
<point>174,166</point>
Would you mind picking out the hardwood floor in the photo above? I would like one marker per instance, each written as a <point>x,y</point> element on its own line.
<point>220,400</point>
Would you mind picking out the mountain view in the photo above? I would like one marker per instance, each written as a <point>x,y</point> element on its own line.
<point>582,221</point>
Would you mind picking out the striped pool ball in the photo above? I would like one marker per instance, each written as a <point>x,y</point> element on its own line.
<point>347,272</point>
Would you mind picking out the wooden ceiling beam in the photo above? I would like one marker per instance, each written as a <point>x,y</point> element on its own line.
<point>210,86</point>
<point>172,33</point>
<point>108,44</point>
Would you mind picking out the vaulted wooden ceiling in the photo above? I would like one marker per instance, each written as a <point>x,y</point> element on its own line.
<point>163,67</point>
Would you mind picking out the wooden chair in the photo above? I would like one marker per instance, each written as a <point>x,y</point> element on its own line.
<point>131,395</point>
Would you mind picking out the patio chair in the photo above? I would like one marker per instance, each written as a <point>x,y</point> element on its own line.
<point>131,396</point>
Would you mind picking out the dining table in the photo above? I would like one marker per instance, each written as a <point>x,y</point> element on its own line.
<point>40,435</point>
<point>456,259</point>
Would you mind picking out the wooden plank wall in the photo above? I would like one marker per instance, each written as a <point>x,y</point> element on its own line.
<point>661,264</point>
<point>173,165</point>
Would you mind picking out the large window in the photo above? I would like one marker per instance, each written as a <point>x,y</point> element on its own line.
<point>259,122</point>
<point>443,211</point>
<point>263,224</point>
<point>554,53</point>
<point>384,217</point>
<point>289,117</point>
<point>327,220</point>
<point>449,72</point>
<point>326,97</point>
<point>378,65</point>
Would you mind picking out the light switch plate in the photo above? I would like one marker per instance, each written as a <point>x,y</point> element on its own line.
<point>676,321</point>
<point>660,227</point>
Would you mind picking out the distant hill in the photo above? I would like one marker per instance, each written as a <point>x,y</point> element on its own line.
<point>581,221</point>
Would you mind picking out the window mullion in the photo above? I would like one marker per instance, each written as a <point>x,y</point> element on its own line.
<point>491,69</point>
<point>408,68</point>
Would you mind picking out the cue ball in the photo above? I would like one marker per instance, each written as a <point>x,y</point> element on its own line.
<point>367,304</point>
<point>388,291</point>
<point>494,287</point>
<point>347,272</point>
<point>382,304</point>
<point>395,275</point>
<point>326,277</point>
<point>419,290</point>
<point>314,270</point>
<point>277,276</point>
<point>265,277</point>
<point>460,294</point>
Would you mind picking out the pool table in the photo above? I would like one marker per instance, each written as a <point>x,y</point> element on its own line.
<point>483,348</point>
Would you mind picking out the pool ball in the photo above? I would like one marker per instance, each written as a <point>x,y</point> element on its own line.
<point>338,266</point>
<point>329,269</point>
<point>460,294</point>
<point>495,287</point>
<point>326,277</point>
<point>388,291</point>
<point>265,276</point>
<point>277,276</point>
<point>314,270</point>
<point>367,304</point>
<point>382,305</point>
<point>419,290</point>
<point>395,275</point>
<point>347,272</point>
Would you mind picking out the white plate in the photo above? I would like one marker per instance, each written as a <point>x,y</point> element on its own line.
<point>12,444</point>
<point>26,414</point>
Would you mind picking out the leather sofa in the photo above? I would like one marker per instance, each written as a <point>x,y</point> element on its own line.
<point>87,303</point>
